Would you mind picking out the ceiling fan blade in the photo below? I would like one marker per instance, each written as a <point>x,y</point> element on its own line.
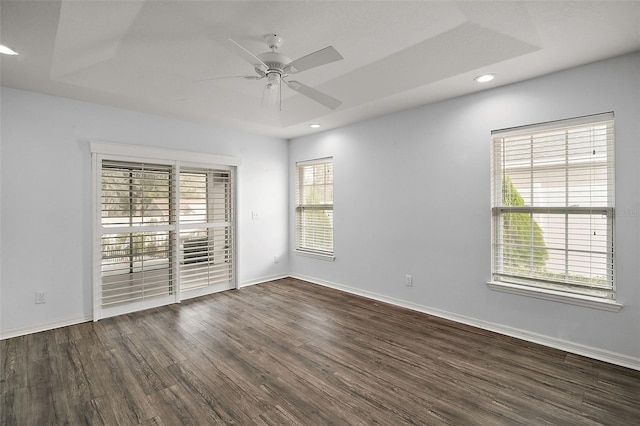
<point>314,94</point>
<point>246,77</point>
<point>312,60</point>
<point>247,56</point>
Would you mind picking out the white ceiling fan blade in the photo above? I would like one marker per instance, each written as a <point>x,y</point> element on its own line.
<point>246,77</point>
<point>312,60</point>
<point>314,94</point>
<point>247,56</point>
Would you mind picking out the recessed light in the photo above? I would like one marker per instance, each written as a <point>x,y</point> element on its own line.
<point>6,50</point>
<point>315,125</point>
<point>485,78</point>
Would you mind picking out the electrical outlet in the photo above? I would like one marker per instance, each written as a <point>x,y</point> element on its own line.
<point>408,280</point>
<point>41,297</point>
<point>276,259</point>
<point>254,215</point>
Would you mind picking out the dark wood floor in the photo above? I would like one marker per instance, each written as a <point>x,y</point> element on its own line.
<point>290,352</point>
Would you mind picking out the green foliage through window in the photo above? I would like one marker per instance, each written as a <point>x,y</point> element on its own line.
<point>523,240</point>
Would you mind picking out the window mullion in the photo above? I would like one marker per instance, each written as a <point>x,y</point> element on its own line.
<point>531,200</point>
<point>566,203</point>
<point>176,198</point>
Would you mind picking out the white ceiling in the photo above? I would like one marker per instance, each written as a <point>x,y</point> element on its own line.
<point>148,55</point>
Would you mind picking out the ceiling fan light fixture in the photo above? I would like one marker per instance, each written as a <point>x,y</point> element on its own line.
<point>484,78</point>
<point>7,50</point>
<point>273,78</point>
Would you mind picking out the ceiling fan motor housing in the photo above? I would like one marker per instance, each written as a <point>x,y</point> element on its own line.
<point>275,63</point>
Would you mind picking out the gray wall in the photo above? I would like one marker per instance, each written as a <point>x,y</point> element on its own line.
<point>46,218</point>
<point>412,197</point>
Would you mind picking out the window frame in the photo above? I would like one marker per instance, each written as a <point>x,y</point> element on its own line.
<point>300,207</point>
<point>549,288</point>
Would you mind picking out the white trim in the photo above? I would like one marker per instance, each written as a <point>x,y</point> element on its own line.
<point>262,280</point>
<point>235,193</point>
<point>107,230</point>
<point>575,348</point>
<point>557,296</point>
<point>314,161</point>
<point>218,166</point>
<point>36,328</point>
<point>96,180</point>
<point>175,192</point>
<point>319,256</point>
<point>200,225</point>
<point>569,122</point>
<point>118,149</point>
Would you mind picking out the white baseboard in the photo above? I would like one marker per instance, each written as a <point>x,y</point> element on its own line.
<point>262,280</point>
<point>36,328</point>
<point>575,348</point>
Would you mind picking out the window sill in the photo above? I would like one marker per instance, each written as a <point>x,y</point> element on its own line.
<point>326,257</point>
<point>557,296</point>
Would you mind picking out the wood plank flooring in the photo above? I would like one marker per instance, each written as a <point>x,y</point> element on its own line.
<point>290,352</point>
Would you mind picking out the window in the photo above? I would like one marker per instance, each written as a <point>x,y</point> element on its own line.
<point>164,229</point>
<point>314,207</point>
<point>553,206</point>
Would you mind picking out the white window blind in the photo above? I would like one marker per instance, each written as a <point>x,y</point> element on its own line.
<point>314,206</point>
<point>553,206</point>
<point>206,228</point>
<point>136,223</point>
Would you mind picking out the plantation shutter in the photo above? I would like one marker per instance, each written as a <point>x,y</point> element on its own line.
<point>314,206</point>
<point>136,232</point>
<point>553,205</point>
<point>163,226</point>
<point>206,228</point>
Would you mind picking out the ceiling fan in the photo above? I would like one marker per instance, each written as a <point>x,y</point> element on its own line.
<point>276,68</point>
